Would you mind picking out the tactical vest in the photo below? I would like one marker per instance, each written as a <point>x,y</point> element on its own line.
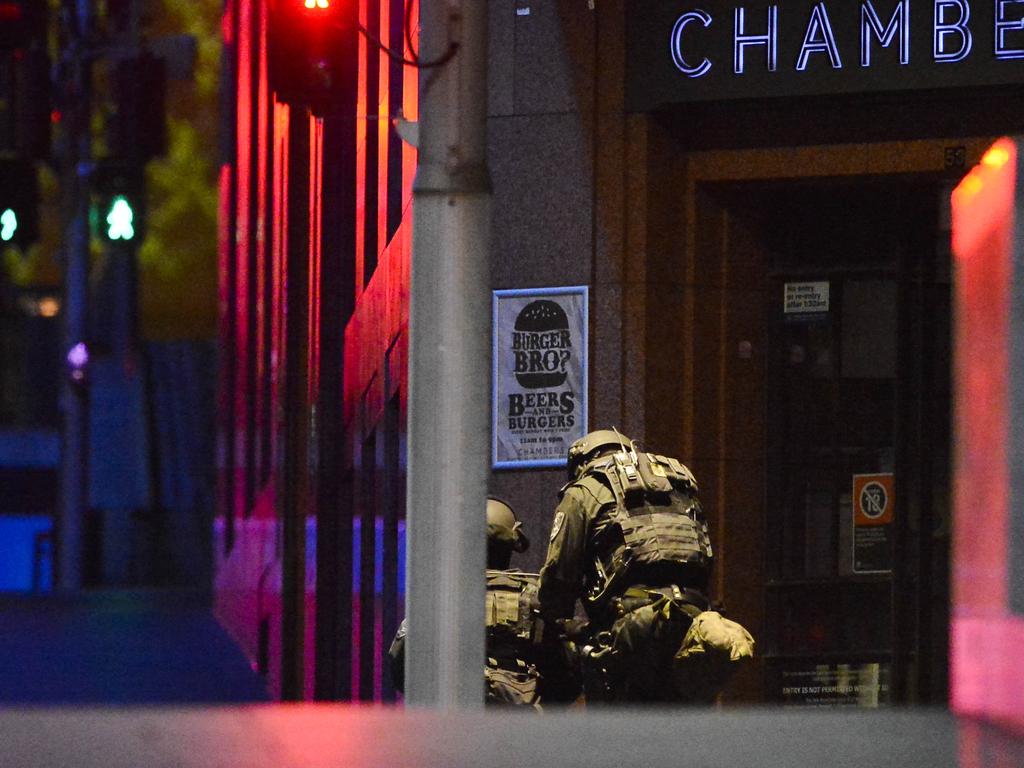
<point>510,675</point>
<point>657,534</point>
<point>510,601</point>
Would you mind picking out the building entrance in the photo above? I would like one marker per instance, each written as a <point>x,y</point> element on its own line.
<point>857,441</point>
<point>822,305</point>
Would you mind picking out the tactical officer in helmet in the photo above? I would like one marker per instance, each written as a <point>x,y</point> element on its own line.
<point>511,675</point>
<point>629,540</point>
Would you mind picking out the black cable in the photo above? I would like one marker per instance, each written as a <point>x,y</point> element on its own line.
<point>415,61</point>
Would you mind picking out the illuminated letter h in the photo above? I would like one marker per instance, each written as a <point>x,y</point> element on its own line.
<point>741,40</point>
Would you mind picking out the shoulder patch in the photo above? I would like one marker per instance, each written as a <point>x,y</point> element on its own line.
<point>557,525</point>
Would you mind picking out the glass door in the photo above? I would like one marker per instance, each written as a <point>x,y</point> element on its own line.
<point>858,443</point>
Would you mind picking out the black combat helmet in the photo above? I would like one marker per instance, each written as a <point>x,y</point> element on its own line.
<point>593,443</point>
<point>504,533</point>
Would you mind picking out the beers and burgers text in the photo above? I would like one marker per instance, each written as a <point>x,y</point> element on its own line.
<point>541,350</point>
<point>954,31</point>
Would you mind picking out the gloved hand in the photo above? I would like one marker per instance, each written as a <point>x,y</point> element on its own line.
<point>576,629</point>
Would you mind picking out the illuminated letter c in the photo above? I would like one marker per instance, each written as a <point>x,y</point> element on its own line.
<point>676,43</point>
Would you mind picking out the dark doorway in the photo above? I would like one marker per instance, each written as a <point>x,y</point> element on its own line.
<point>857,416</point>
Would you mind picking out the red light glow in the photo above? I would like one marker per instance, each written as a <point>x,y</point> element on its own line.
<point>985,632</point>
<point>983,197</point>
<point>10,12</point>
<point>996,156</point>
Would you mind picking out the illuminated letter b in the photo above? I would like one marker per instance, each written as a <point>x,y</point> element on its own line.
<point>945,29</point>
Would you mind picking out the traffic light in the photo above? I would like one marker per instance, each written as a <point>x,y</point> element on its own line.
<point>119,212</point>
<point>32,115</point>
<point>119,16</point>
<point>138,127</point>
<point>120,219</point>
<point>312,53</point>
<point>21,23</point>
<point>24,79</point>
<point>19,204</point>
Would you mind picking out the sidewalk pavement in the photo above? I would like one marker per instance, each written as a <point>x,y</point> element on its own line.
<point>119,648</point>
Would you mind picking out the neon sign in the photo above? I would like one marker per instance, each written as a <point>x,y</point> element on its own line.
<point>946,29</point>
<point>1008,20</point>
<point>898,23</point>
<point>770,39</point>
<point>819,38</point>
<point>677,43</point>
<point>953,30</point>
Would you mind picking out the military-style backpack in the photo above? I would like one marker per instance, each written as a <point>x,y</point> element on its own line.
<point>510,600</point>
<point>658,534</point>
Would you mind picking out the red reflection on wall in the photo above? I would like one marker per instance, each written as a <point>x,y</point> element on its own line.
<point>987,679</point>
<point>982,224</point>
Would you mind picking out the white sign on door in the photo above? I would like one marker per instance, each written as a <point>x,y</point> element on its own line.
<point>803,298</point>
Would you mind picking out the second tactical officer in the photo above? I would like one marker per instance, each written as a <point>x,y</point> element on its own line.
<point>510,673</point>
<point>629,539</point>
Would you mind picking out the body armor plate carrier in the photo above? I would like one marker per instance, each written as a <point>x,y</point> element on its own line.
<point>658,535</point>
<point>510,601</point>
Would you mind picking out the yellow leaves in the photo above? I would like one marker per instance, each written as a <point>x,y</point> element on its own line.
<point>178,258</point>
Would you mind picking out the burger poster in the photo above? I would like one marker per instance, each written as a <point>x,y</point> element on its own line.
<point>540,375</point>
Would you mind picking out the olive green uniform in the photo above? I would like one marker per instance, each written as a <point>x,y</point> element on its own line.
<point>510,674</point>
<point>577,520</point>
<point>629,539</point>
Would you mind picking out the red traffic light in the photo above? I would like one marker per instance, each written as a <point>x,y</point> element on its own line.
<point>12,12</point>
<point>22,24</point>
<point>312,53</point>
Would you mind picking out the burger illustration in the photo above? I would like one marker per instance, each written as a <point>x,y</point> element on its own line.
<point>541,345</point>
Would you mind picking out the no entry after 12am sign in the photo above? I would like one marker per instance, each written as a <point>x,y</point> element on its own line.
<point>874,502</point>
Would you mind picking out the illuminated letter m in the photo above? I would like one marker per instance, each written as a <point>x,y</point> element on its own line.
<point>870,25</point>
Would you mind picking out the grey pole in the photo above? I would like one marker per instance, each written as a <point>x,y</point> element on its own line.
<point>449,371</point>
<point>74,449</point>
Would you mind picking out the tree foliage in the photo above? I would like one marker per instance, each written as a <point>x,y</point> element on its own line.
<point>178,259</point>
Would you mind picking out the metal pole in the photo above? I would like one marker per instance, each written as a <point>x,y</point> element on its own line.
<point>449,372</point>
<point>74,453</point>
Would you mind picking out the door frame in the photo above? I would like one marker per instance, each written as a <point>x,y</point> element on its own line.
<point>706,316</point>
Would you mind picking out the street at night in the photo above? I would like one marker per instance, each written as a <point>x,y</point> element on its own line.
<point>449,382</point>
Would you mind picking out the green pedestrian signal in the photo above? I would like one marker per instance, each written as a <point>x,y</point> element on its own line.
<point>118,213</point>
<point>120,219</point>
<point>8,225</point>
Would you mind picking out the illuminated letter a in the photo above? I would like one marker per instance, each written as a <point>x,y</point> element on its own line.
<point>819,38</point>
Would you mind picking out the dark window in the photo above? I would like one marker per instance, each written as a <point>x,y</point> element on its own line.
<point>368,568</point>
<point>252,320</point>
<point>394,515</point>
<point>396,91</point>
<point>266,383</point>
<point>370,240</point>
